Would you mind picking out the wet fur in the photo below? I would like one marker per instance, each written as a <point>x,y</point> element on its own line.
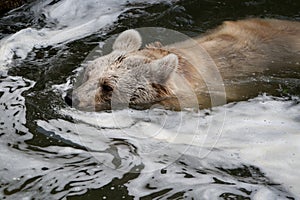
<point>241,50</point>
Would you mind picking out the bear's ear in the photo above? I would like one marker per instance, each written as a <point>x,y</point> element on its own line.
<point>128,41</point>
<point>161,69</point>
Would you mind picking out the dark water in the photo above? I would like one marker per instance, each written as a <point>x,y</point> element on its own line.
<point>41,155</point>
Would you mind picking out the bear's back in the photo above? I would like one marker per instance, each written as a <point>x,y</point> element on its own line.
<point>254,45</point>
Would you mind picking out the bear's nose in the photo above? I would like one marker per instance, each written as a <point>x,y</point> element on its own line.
<point>71,99</point>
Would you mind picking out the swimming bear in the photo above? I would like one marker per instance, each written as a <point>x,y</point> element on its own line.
<point>233,62</point>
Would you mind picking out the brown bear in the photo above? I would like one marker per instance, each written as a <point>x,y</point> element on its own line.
<point>233,62</point>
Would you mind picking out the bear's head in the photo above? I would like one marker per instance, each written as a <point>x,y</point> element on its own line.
<point>126,77</point>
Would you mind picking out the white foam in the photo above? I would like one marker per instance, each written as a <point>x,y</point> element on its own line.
<point>263,132</point>
<point>73,20</point>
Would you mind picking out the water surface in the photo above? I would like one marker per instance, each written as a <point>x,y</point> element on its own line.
<point>245,150</point>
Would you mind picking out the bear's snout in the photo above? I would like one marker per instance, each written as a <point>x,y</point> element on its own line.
<point>71,99</point>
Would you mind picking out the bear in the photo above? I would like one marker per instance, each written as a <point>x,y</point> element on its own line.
<point>246,54</point>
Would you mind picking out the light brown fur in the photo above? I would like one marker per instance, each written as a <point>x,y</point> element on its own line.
<point>242,51</point>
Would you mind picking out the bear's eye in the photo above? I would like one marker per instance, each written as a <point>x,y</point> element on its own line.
<point>106,88</point>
